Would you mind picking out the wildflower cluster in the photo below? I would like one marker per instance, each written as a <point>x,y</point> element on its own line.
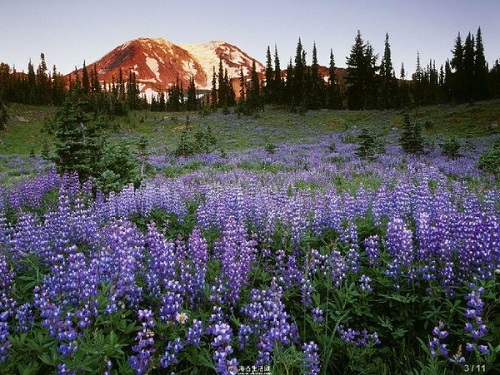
<point>250,267</point>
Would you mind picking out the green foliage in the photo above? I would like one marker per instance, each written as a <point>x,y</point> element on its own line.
<point>489,161</point>
<point>79,144</point>
<point>411,139</point>
<point>3,115</point>
<point>81,147</point>
<point>369,144</point>
<point>451,147</point>
<point>117,167</point>
<point>270,147</point>
<point>203,141</point>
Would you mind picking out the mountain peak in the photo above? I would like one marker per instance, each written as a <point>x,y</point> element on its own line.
<point>159,63</point>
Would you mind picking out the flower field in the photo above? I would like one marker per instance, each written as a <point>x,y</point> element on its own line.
<point>303,258</point>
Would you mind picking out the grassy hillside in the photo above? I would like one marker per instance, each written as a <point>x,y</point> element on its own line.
<point>26,125</point>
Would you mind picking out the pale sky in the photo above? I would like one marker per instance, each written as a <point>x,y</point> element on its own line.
<point>70,31</point>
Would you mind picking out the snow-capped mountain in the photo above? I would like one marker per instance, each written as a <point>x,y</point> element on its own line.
<point>158,63</point>
<point>233,58</point>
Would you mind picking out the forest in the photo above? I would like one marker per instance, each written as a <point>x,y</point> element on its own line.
<point>365,84</point>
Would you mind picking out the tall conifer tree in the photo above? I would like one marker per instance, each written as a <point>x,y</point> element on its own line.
<point>388,81</point>
<point>317,84</point>
<point>278,80</point>
<point>332,90</point>
<point>480,70</point>
<point>86,79</point>
<point>298,75</point>
<point>468,67</point>
<point>269,87</point>
<point>457,63</point>
<point>361,71</point>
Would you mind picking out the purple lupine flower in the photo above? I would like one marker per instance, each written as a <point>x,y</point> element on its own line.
<point>311,358</point>
<point>358,338</point>
<point>339,268</point>
<point>4,341</point>
<point>436,347</point>
<point>24,316</point>
<point>475,327</point>
<point>63,369</point>
<point>144,348</point>
<point>317,315</point>
<point>364,283</point>
<point>222,342</point>
<point>172,348</point>
<point>399,244</point>
<point>236,254</point>
<point>269,321</point>
<point>372,250</point>
<point>306,289</point>
<point>244,335</point>
<point>194,333</point>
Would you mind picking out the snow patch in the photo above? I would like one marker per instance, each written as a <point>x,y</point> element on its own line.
<point>153,66</point>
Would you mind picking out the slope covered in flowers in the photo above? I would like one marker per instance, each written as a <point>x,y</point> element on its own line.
<point>306,259</point>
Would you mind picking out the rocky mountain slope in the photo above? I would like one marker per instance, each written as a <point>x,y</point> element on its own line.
<point>158,63</point>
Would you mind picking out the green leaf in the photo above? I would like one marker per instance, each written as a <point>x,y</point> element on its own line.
<point>28,369</point>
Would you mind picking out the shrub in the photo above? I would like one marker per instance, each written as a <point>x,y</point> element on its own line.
<point>270,147</point>
<point>117,167</point>
<point>78,140</point>
<point>3,115</point>
<point>203,141</point>
<point>411,139</point>
<point>369,144</point>
<point>450,148</point>
<point>489,161</point>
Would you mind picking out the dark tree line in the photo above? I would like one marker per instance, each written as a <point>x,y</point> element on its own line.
<point>35,87</point>
<point>364,84</point>
<point>369,84</point>
<point>41,87</point>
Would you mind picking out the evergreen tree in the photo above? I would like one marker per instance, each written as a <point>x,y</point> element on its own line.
<point>369,144</point>
<point>333,99</point>
<point>468,68</point>
<point>403,90</point>
<point>361,71</point>
<point>480,70</point>
<point>132,91</point>
<point>230,95</point>
<point>242,87</point>
<point>418,83</point>
<point>95,86</point>
<point>192,103</point>
<point>316,95</point>
<point>31,94</point>
<point>278,80</point>
<point>3,115</point>
<point>253,96</point>
<point>223,87</point>
<point>447,84</point>
<point>78,140</point>
<point>58,87</point>
<point>121,86</point>
<point>297,79</point>
<point>86,79</point>
<point>411,139</point>
<point>457,63</point>
<point>388,81</point>
<point>213,96</point>
<point>269,87</point>
<point>162,104</point>
<point>42,83</point>
<point>494,80</point>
